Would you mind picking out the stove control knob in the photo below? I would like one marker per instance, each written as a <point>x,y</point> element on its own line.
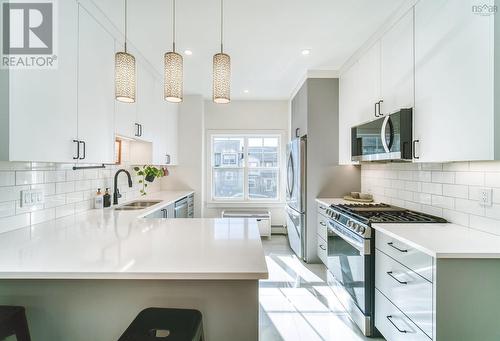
<point>361,229</point>
<point>355,227</point>
<point>350,223</point>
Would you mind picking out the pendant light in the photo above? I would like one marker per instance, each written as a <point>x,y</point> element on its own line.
<point>221,68</point>
<point>125,72</point>
<point>172,91</point>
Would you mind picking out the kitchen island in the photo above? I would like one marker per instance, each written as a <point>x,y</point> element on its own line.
<point>87,276</point>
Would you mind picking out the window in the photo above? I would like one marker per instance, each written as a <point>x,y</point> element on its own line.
<point>245,167</point>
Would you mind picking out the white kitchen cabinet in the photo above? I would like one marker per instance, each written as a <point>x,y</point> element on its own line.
<point>349,112</point>
<point>164,141</point>
<point>454,116</point>
<point>38,120</point>
<point>397,71</point>
<point>147,109</point>
<point>368,84</point>
<point>95,90</point>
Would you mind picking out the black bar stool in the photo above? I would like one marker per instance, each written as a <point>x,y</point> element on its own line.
<point>13,322</point>
<point>155,324</point>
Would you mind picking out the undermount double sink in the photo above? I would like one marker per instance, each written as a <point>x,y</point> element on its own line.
<point>137,205</point>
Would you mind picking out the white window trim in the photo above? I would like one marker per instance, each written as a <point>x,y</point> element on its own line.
<point>211,202</point>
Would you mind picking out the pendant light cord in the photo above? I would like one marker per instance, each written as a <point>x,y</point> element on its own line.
<point>125,26</point>
<point>173,21</point>
<point>221,25</point>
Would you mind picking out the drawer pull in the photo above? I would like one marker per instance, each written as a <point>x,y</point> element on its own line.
<point>322,247</point>
<point>389,317</point>
<point>391,244</point>
<point>390,273</point>
<point>322,207</point>
<point>322,223</point>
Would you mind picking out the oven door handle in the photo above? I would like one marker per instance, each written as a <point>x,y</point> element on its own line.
<point>363,248</point>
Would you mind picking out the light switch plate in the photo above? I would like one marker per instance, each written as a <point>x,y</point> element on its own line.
<point>32,197</point>
<point>485,195</point>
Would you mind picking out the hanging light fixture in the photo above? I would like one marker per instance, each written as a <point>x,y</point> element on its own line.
<point>125,72</point>
<point>172,91</point>
<point>222,68</point>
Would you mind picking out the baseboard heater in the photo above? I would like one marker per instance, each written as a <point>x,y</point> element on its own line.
<point>263,218</point>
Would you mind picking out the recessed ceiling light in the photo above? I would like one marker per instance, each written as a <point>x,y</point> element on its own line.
<point>246,91</point>
<point>188,52</point>
<point>306,52</point>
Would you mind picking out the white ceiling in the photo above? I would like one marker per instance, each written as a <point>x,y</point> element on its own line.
<point>264,38</point>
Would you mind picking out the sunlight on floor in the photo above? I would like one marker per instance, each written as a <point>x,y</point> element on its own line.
<point>296,303</point>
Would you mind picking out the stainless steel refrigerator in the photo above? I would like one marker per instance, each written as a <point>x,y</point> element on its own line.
<point>296,195</point>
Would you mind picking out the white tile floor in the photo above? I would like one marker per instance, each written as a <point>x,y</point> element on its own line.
<point>296,303</point>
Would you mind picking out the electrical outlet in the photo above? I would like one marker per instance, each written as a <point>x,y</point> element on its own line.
<point>32,197</point>
<point>485,195</point>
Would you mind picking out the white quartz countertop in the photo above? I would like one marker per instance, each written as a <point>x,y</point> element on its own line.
<point>111,244</point>
<point>444,240</point>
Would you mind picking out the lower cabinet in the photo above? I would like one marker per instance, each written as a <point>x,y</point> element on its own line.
<point>322,234</point>
<point>169,211</point>
<point>393,324</point>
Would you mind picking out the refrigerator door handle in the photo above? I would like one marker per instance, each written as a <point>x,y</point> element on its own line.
<point>290,175</point>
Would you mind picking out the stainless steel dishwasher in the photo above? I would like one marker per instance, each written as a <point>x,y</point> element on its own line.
<point>181,208</point>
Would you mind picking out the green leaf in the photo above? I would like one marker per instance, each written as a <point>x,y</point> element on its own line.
<point>136,169</point>
<point>140,181</point>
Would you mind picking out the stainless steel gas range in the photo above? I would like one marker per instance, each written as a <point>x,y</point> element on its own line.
<point>351,254</point>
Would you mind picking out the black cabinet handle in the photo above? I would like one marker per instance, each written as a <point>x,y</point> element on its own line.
<point>390,273</point>
<point>137,131</point>
<point>391,244</point>
<point>140,129</point>
<point>389,317</point>
<point>297,132</point>
<point>379,107</point>
<point>167,158</point>
<point>77,150</point>
<point>414,149</point>
<point>322,247</point>
<point>322,223</point>
<point>84,150</point>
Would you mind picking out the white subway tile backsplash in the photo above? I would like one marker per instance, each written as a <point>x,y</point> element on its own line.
<point>29,177</point>
<point>7,209</point>
<point>443,177</point>
<point>492,179</point>
<point>65,187</point>
<point>443,202</point>
<point>456,166</point>
<point>70,191</point>
<point>469,206</point>
<point>431,166</point>
<point>66,210</point>
<point>470,178</point>
<point>55,176</point>
<point>11,193</point>
<point>456,191</point>
<point>7,178</point>
<point>449,190</point>
<point>432,188</point>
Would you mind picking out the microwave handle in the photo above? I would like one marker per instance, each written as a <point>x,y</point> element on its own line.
<point>387,146</point>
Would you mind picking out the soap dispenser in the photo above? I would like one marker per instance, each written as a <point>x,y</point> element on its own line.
<point>107,198</point>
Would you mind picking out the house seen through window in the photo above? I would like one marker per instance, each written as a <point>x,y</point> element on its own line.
<point>245,167</point>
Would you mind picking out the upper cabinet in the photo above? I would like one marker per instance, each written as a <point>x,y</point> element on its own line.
<point>38,107</point>
<point>95,90</point>
<point>454,82</point>
<point>396,66</point>
<point>299,113</point>
<point>368,84</point>
<point>439,59</point>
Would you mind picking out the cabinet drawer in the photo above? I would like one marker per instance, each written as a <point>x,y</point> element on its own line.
<point>410,292</point>
<point>393,324</point>
<point>322,230</point>
<point>322,208</point>
<point>322,249</point>
<point>417,261</point>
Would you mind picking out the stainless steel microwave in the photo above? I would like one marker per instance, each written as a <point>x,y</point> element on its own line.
<point>386,138</point>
